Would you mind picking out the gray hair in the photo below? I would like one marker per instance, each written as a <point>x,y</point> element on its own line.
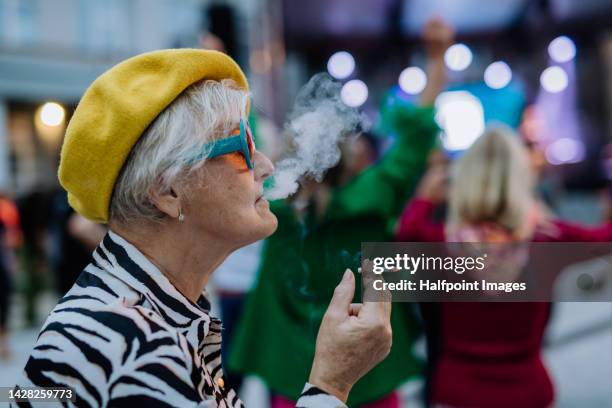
<point>162,157</point>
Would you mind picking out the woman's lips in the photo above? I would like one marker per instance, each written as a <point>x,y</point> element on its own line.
<point>262,202</point>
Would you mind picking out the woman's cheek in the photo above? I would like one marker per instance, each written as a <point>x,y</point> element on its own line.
<point>237,161</point>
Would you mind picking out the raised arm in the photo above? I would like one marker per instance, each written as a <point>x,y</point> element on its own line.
<point>572,232</point>
<point>416,223</point>
<point>385,187</point>
<point>438,36</point>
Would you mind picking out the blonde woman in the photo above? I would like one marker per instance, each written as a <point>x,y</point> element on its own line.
<point>487,354</point>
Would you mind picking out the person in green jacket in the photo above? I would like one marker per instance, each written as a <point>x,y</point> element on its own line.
<point>319,236</point>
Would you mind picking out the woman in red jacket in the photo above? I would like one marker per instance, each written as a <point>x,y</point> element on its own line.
<point>487,355</point>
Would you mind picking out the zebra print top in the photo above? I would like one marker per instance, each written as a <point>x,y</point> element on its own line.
<point>124,335</point>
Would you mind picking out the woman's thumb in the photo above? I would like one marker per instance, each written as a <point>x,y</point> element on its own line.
<point>344,292</point>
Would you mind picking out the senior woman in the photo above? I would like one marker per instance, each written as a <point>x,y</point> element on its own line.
<point>159,148</point>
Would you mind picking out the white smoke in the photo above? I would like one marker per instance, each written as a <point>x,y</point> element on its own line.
<point>318,122</point>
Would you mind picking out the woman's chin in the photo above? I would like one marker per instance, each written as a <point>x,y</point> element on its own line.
<point>266,225</point>
<point>271,224</point>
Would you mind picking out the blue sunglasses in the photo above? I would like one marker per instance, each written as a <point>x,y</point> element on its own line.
<point>242,142</point>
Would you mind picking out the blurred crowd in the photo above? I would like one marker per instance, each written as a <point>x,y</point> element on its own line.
<point>45,245</point>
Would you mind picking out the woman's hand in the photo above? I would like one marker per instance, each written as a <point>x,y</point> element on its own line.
<point>434,184</point>
<point>438,36</point>
<point>352,339</point>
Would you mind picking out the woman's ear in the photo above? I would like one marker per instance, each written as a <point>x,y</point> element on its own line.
<point>168,202</point>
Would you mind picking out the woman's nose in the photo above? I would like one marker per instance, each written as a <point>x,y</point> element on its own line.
<point>263,166</point>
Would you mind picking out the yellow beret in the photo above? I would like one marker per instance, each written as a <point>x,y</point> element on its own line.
<point>117,108</point>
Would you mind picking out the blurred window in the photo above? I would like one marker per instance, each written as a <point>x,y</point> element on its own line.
<point>18,22</point>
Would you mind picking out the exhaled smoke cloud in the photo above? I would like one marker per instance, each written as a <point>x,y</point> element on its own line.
<point>318,123</point>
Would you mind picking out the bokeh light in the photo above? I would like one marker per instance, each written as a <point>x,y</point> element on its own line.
<point>565,150</point>
<point>341,65</point>
<point>562,49</point>
<point>461,116</point>
<point>413,80</point>
<point>52,114</point>
<point>458,57</point>
<point>554,79</point>
<point>354,93</point>
<point>498,75</point>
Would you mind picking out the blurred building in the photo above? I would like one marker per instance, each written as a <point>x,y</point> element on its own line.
<point>50,51</point>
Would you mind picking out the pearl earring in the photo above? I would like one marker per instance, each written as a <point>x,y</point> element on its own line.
<point>181,216</point>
